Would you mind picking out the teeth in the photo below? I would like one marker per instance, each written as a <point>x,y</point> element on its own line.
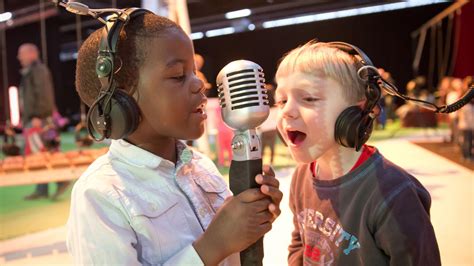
<point>201,111</point>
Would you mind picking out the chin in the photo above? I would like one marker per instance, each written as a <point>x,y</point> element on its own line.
<point>195,134</point>
<point>301,157</point>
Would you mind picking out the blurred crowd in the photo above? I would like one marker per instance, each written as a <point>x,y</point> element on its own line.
<point>448,91</point>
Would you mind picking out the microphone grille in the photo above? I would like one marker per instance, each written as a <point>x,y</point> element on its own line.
<point>242,94</point>
<point>245,87</point>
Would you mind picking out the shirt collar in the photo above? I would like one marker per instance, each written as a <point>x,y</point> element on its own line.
<point>141,158</point>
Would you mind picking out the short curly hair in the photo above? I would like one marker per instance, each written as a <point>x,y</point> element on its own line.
<point>132,50</point>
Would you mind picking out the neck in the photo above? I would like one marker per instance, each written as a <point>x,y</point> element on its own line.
<point>336,163</point>
<point>164,147</point>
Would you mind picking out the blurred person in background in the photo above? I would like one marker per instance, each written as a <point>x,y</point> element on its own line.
<point>452,96</point>
<point>36,100</point>
<point>466,122</point>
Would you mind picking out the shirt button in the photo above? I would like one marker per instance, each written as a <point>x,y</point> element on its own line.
<point>152,206</point>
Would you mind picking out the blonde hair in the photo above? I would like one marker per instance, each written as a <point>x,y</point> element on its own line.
<point>322,60</point>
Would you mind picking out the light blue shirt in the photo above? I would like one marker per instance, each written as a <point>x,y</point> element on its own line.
<point>132,207</point>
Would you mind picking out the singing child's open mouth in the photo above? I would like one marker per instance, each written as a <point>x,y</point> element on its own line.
<point>296,137</point>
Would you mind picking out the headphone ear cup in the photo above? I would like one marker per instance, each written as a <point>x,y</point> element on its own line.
<point>352,130</point>
<point>124,116</point>
<point>347,125</point>
<point>365,130</point>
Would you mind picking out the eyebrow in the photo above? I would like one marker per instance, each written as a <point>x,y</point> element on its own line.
<point>174,62</point>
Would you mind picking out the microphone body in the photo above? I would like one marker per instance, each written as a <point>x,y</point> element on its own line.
<point>244,102</point>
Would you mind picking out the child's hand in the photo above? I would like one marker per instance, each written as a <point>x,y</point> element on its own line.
<point>241,221</point>
<point>270,187</point>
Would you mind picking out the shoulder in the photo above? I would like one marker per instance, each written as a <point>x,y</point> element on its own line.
<point>396,185</point>
<point>392,175</point>
<point>39,67</point>
<point>100,179</point>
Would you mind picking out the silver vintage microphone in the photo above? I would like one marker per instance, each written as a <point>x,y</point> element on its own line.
<point>244,102</point>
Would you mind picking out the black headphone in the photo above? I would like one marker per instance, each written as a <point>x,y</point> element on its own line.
<point>114,114</point>
<point>354,125</point>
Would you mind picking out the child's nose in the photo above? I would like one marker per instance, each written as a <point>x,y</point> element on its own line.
<point>198,85</point>
<point>289,111</point>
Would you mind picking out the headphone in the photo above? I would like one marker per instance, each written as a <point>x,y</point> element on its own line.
<point>354,125</point>
<point>114,114</point>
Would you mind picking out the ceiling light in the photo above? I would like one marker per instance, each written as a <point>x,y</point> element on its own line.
<point>218,32</point>
<point>197,35</point>
<point>238,13</point>
<point>5,16</point>
<point>347,13</point>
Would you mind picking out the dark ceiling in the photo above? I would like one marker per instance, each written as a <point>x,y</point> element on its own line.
<point>205,8</point>
<point>204,14</point>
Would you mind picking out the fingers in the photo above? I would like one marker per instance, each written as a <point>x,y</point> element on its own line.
<point>275,210</point>
<point>264,217</point>
<point>265,227</point>
<point>251,195</point>
<point>268,170</point>
<point>274,193</point>
<point>261,205</point>
<point>276,196</point>
<point>270,187</point>
<point>268,177</point>
<point>260,222</point>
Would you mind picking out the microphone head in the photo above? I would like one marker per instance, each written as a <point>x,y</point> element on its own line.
<point>242,95</point>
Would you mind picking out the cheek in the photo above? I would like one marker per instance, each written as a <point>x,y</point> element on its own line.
<point>280,125</point>
<point>318,126</point>
<point>321,133</point>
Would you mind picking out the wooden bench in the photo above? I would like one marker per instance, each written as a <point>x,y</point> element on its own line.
<point>46,167</point>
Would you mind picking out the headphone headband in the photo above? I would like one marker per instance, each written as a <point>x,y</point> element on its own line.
<point>114,113</point>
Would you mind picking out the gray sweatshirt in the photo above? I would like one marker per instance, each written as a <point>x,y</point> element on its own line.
<point>377,214</point>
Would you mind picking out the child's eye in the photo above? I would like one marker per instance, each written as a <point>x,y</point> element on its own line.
<point>310,99</point>
<point>179,78</point>
<point>280,103</point>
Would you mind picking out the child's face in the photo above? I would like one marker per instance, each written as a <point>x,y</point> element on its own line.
<point>170,96</point>
<point>308,109</point>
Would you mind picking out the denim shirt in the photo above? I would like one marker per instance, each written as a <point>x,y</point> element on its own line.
<point>132,207</point>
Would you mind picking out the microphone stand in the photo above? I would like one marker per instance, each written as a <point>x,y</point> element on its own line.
<point>246,164</point>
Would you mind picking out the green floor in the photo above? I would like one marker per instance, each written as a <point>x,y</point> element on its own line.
<point>19,217</point>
